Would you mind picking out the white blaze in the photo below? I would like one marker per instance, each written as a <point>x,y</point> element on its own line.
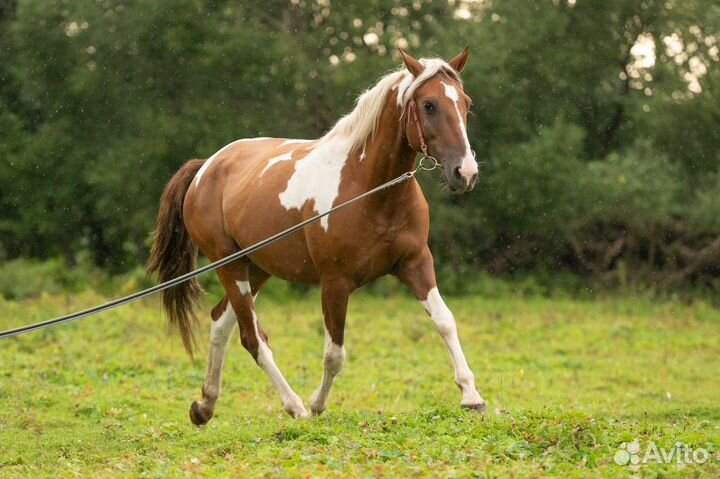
<point>469,166</point>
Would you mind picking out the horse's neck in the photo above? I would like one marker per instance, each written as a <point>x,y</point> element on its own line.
<point>387,153</point>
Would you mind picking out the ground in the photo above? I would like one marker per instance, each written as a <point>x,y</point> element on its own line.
<point>570,384</point>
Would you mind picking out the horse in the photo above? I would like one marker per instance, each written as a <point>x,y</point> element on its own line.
<point>254,187</point>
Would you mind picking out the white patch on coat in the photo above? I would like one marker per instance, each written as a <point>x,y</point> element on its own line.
<point>317,177</point>
<point>244,287</point>
<point>292,141</point>
<point>469,166</point>
<point>272,161</point>
<point>209,161</point>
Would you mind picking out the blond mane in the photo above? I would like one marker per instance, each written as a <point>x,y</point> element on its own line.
<point>362,122</point>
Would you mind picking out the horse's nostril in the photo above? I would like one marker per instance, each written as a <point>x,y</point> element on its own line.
<point>457,174</point>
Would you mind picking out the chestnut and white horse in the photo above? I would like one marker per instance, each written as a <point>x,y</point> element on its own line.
<point>255,187</point>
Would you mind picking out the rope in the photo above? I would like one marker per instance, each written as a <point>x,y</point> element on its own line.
<point>216,264</point>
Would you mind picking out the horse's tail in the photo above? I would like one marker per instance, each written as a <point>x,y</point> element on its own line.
<point>174,253</point>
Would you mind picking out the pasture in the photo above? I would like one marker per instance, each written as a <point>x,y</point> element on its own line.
<point>567,383</point>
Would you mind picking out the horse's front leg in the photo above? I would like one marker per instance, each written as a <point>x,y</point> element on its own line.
<point>419,274</point>
<point>335,293</point>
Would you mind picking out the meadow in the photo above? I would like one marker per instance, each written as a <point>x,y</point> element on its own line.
<point>568,382</point>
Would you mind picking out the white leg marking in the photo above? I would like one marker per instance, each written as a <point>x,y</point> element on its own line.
<point>333,360</point>
<point>445,322</point>
<point>244,287</point>
<point>220,333</point>
<point>469,166</point>
<point>291,401</point>
<point>207,163</point>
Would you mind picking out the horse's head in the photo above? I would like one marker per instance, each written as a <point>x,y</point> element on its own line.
<point>441,107</point>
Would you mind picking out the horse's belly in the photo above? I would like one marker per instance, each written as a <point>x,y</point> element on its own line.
<point>261,217</point>
<point>288,259</point>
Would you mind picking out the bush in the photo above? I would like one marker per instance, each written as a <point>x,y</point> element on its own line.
<point>23,278</point>
<point>536,188</point>
<point>635,187</point>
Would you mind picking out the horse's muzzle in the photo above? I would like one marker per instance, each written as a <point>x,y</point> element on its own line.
<point>460,180</point>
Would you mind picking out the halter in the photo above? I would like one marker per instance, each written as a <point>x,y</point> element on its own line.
<point>423,145</point>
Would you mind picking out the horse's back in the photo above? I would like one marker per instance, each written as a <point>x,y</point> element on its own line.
<point>238,160</point>
<point>233,203</point>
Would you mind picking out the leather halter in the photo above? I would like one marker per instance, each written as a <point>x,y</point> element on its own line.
<point>413,112</point>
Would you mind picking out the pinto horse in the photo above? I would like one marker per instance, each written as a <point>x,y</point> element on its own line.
<point>255,187</point>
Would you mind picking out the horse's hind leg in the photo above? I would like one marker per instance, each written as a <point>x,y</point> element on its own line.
<point>223,325</point>
<point>235,280</point>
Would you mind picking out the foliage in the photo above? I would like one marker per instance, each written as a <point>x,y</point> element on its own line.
<point>108,396</point>
<point>586,144</point>
<point>27,278</point>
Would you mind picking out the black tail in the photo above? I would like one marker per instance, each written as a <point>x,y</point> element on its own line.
<point>174,253</point>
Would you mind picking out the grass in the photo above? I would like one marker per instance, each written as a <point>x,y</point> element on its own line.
<point>567,383</point>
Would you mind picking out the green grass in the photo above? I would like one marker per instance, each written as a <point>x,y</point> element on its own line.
<point>567,382</point>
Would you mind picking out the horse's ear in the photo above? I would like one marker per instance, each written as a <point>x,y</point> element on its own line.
<point>458,63</point>
<point>413,66</point>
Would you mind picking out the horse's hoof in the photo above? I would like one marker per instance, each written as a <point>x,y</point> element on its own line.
<point>300,414</point>
<point>479,408</point>
<point>297,413</point>
<point>196,415</point>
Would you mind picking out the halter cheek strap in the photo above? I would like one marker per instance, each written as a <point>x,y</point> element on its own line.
<point>414,115</point>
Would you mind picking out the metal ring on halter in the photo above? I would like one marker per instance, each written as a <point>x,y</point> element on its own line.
<point>422,165</point>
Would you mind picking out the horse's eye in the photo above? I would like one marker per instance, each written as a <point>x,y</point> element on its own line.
<point>429,107</point>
